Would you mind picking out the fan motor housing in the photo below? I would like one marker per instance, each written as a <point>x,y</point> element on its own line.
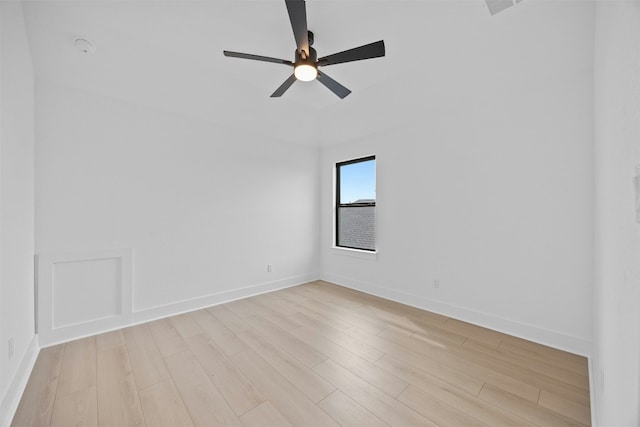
<point>311,59</point>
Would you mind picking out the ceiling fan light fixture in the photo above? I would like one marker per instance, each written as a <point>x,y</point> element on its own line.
<point>305,66</point>
<point>305,72</point>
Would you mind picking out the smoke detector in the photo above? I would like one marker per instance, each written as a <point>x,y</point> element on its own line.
<point>84,45</point>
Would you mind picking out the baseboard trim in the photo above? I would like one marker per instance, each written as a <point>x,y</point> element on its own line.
<point>12,397</point>
<point>533,333</point>
<point>185,306</point>
<point>149,314</point>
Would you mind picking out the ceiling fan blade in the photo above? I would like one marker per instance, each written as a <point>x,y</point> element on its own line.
<point>256,57</point>
<point>298,17</point>
<point>283,87</point>
<point>368,51</point>
<point>333,85</point>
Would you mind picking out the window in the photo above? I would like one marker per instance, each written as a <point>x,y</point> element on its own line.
<point>356,204</point>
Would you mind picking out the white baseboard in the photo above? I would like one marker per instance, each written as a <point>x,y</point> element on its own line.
<point>146,315</point>
<point>172,309</point>
<point>533,333</point>
<point>11,399</point>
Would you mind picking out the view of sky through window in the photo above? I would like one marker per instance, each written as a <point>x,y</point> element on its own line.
<point>358,181</point>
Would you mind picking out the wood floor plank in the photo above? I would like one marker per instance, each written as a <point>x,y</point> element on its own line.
<point>466,403</point>
<point>523,408</point>
<point>166,337</point>
<point>542,367</point>
<point>345,315</point>
<point>427,326</point>
<point>184,324</point>
<point>351,298</point>
<point>463,381</point>
<point>145,358</point>
<point>285,341</point>
<point>366,370</point>
<point>308,382</point>
<point>565,407</point>
<point>218,332</point>
<point>513,386</point>
<point>78,409</point>
<point>237,390</point>
<point>564,360</point>
<point>78,366</point>
<point>316,294</point>
<point>431,335</point>
<point>420,352</point>
<point>264,415</point>
<point>523,374</point>
<point>265,360</point>
<point>287,399</point>
<point>374,400</point>
<point>163,406</point>
<point>380,303</point>
<point>229,319</point>
<point>473,332</point>
<point>204,402</point>
<point>544,352</point>
<point>278,304</point>
<point>241,308</point>
<point>489,363</point>
<point>315,311</point>
<point>438,411</point>
<point>477,364</point>
<point>572,394</point>
<point>348,412</point>
<point>118,400</point>
<point>36,405</point>
<point>109,340</point>
<point>254,306</point>
<point>350,342</point>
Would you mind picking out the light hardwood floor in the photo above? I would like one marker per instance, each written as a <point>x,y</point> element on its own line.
<point>312,355</point>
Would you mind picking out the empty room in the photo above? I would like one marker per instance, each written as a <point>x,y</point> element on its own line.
<point>266,213</point>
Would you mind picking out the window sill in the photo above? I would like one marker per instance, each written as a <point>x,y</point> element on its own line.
<point>355,253</point>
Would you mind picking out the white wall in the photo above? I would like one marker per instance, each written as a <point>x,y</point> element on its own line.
<point>617,278</point>
<point>489,185</point>
<point>204,207</point>
<point>16,209</point>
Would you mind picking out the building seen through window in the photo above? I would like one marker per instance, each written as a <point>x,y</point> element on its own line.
<point>356,204</point>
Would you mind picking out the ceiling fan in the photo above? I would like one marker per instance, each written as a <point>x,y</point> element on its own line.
<point>306,64</point>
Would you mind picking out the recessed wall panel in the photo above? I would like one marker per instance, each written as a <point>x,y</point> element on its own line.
<point>83,293</point>
<point>86,290</point>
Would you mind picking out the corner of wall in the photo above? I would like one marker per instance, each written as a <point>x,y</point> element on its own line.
<point>593,384</point>
<point>11,399</point>
<point>17,203</point>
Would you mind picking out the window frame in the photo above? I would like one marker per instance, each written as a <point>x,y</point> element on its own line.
<point>350,205</point>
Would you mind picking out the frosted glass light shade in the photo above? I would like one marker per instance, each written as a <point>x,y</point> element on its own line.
<point>305,72</point>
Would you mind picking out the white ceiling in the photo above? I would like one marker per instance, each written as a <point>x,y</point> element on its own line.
<point>168,55</point>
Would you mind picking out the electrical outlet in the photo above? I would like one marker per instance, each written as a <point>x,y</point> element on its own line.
<point>10,345</point>
<point>436,284</point>
<point>269,268</point>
